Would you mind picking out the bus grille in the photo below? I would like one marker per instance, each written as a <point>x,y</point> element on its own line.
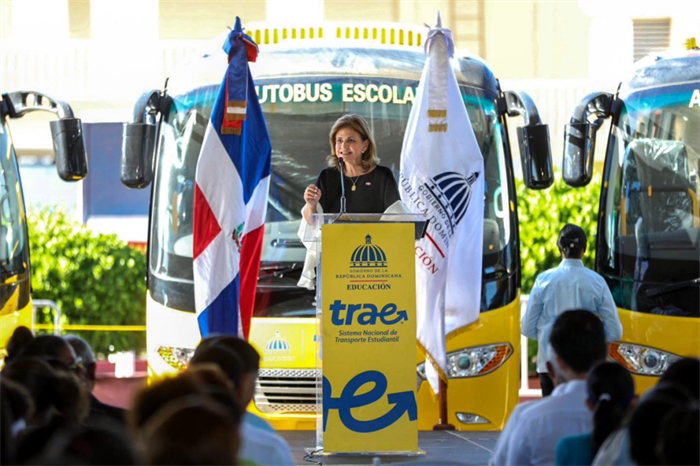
<point>287,391</point>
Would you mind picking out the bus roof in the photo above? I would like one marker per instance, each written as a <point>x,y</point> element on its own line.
<point>337,55</point>
<point>663,70</point>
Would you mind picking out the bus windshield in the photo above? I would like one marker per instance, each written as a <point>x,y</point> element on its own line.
<point>299,113</point>
<point>649,248</point>
<point>13,260</point>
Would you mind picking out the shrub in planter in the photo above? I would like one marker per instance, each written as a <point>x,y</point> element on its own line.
<point>94,278</point>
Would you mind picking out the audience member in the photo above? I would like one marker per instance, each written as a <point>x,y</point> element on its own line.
<point>152,398</point>
<point>59,399</point>
<point>686,373</point>
<point>679,437</point>
<point>610,393</point>
<point>98,411</point>
<point>19,339</point>
<point>259,442</point>
<point>191,431</point>
<point>577,343</point>
<point>90,445</point>
<point>569,286</point>
<point>54,350</point>
<point>644,425</point>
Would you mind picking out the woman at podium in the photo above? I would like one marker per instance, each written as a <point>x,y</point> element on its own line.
<point>369,187</point>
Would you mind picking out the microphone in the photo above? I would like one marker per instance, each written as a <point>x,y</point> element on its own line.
<point>343,208</point>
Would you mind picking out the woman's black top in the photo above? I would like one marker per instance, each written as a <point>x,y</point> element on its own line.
<point>374,191</point>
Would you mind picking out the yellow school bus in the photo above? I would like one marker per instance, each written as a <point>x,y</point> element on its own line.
<point>306,77</point>
<point>71,162</point>
<point>648,240</point>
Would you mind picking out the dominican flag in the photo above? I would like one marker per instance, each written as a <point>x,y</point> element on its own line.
<point>442,175</point>
<point>230,204</point>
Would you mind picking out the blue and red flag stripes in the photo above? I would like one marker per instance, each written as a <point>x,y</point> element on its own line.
<point>232,182</point>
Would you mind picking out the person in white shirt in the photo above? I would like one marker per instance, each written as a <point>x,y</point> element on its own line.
<point>530,438</point>
<point>569,286</point>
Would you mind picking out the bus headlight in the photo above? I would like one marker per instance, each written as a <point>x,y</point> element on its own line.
<point>642,359</point>
<point>176,357</point>
<point>474,361</point>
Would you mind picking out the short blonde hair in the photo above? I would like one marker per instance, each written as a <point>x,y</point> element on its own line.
<point>357,123</point>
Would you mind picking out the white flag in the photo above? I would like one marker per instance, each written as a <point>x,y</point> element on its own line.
<point>442,175</point>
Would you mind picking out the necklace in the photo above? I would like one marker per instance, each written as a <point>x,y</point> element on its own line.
<point>354,182</point>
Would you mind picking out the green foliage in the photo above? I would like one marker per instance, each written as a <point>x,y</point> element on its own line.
<point>95,279</point>
<point>542,215</point>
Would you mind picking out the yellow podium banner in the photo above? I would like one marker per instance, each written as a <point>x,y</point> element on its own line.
<point>369,338</point>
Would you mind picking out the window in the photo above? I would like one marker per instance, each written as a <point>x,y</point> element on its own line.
<point>651,35</point>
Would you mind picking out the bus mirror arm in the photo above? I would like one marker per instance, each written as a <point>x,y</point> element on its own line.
<point>139,140</point>
<point>533,140</point>
<point>67,131</point>
<point>580,135</point>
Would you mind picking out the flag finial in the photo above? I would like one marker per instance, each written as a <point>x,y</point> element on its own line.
<point>438,23</point>
<point>238,27</point>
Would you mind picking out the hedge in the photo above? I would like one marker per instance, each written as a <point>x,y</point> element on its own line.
<point>94,278</point>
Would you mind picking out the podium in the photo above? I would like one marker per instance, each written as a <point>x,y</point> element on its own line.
<point>366,345</point>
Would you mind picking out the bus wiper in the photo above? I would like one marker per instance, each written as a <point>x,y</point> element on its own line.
<point>653,292</point>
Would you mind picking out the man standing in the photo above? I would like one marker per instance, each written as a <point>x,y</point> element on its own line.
<point>534,429</point>
<point>569,286</point>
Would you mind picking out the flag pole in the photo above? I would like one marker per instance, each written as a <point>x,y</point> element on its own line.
<point>442,400</point>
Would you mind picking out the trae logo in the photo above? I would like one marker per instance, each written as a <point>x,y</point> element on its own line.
<point>343,314</point>
<point>404,402</point>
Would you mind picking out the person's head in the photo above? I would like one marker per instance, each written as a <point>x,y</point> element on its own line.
<point>572,241</point>
<point>222,357</point>
<point>645,423</point>
<point>19,339</point>
<point>191,431</point>
<point>250,360</point>
<point>84,353</point>
<point>352,139</point>
<point>218,387</point>
<point>52,347</point>
<point>53,392</point>
<point>610,393</point>
<point>684,372</point>
<point>153,397</point>
<point>679,436</point>
<point>80,444</point>
<point>577,344</point>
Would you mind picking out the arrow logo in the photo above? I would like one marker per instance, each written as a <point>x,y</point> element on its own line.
<point>404,402</point>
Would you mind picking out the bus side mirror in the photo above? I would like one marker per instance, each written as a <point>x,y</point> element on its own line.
<point>580,136</point>
<point>69,149</point>
<point>138,148</point>
<point>139,140</point>
<point>67,131</point>
<point>533,141</point>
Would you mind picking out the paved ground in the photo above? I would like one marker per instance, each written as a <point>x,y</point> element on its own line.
<point>441,448</point>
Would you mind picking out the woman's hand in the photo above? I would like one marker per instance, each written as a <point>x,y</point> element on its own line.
<point>312,196</point>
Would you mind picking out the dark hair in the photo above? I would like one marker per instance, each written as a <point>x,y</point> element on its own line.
<point>46,346</point>
<point>611,390</point>
<point>248,355</point>
<point>679,437</point>
<point>645,422</point>
<point>191,431</point>
<point>18,341</point>
<point>222,357</point>
<point>104,444</point>
<point>685,372</point>
<point>578,337</point>
<point>153,397</point>
<point>572,240</point>
<point>49,389</point>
